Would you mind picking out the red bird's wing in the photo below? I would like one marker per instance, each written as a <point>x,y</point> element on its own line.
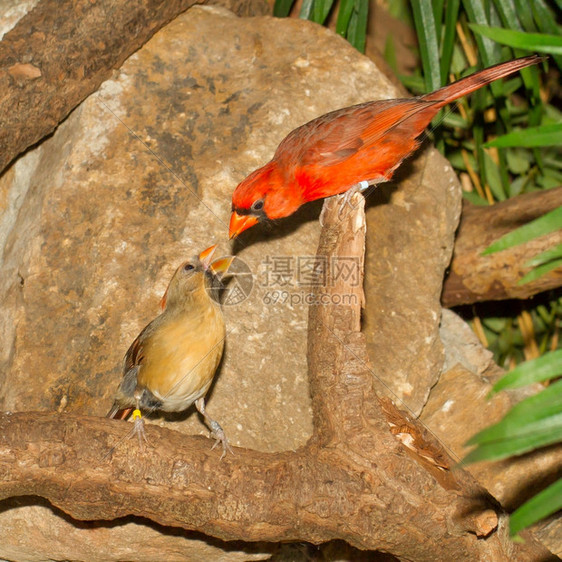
<point>415,114</point>
<point>337,136</point>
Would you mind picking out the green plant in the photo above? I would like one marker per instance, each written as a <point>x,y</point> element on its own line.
<point>515,151</point>
<point>533,423</point>
<point>351,20</point>
<point>505,139</point>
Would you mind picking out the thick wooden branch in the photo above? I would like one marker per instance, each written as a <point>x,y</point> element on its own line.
<point>61,51</point>
<point>370,475</point>
<point>473,277</point>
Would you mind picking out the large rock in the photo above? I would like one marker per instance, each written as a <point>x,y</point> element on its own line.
<point>95,220</point>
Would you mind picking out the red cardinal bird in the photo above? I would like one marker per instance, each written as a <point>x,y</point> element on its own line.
<point>350,148</point>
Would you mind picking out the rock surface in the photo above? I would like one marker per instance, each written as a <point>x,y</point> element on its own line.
<point>410,227</point>
<point>95,220</point>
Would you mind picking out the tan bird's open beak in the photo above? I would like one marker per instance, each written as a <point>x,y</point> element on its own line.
<point>217,267</point>
<point>220,267</point>
<point>206,256</point>
<point>240,223</point>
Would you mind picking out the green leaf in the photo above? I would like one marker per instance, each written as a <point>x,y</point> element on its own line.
<point>545,503</point>
<point>522,7</point>
<point>508,14</point>
<point>474,198</point>
<point>344,15</point>
<point>540,42</point>
<point>517,185</point>
<point>531,439</point>
<point>533,423</point>
<point>320,10</point>
<point>544,135</point>
<point>449,36</point>
<point>390,54</point>
<point>487,49</point>
<point>493,177</point>
<point>546,22</point>
<point>545,257</point>
<point>414,83</point>
<point>540,270</point>
<point>452,120</point>
<point>549,222</point>
<point>495,324</point>
<point>518,161</point>
<point>306,9</point>
<point>429,46</point>
<point>546,367</point>
<point>357,31</point>
<point>282,8</point>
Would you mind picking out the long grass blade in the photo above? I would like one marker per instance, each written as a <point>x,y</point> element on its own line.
<point>543,368</point>
<point>429,46</point>
<point>539,42</point>
<point>320,10</point>
<point>449,36</point>
<point>357,31</point>
<point>540,270</point>
<point>545,503</point>
<point>281,8</point>
<point>546,22</point>
<point>550,222</point>
<point>344,15</point>
<point>545,135</point>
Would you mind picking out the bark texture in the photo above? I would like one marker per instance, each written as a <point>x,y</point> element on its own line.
<point>473,277</point>
<point>370,475</point>
<point>61,51</point>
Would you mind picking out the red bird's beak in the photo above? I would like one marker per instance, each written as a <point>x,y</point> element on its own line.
<point>240,223</point>
<point>206,256</point>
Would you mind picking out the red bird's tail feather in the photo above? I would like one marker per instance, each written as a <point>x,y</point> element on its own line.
<point>467,85</point>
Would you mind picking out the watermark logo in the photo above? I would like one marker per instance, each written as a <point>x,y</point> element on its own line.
<point>282,272</point>
<point>290,280</point>
<point>296,280</point>
<point>235,286</point>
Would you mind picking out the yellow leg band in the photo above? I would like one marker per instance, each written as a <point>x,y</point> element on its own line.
<point>137,414</point>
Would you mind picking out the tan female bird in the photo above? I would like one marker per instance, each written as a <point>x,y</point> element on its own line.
<point>172,362</point>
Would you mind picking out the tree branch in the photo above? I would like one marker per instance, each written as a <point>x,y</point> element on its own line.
<point>62,50</point>
<point>473,277</point>
<point>370,475</point>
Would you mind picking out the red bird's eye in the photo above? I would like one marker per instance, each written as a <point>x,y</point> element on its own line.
<point>257,205</point>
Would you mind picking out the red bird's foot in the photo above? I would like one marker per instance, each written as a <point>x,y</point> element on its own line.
<point>345,199</point>
<point>348,195</point>
<point>217,433</point>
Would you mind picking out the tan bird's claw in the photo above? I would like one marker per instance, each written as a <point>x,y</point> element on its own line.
<point>217,433</point>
